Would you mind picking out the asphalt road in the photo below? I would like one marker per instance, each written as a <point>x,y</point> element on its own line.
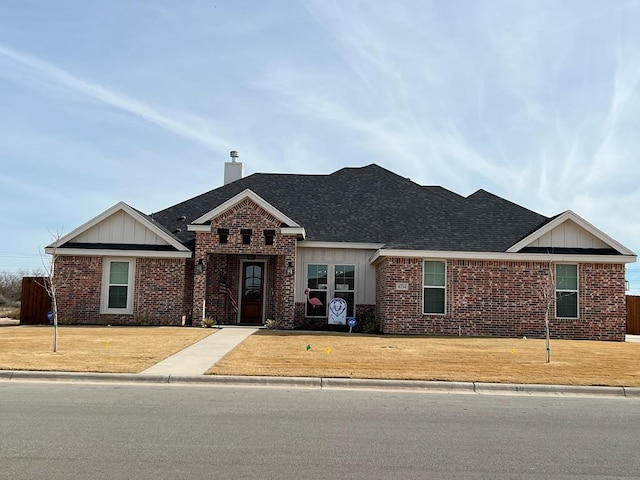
<point>97,431</point>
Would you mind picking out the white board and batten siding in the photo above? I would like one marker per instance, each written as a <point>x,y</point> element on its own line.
<point>568,235</point>
<point>120,228</point>
<point>365,273</point>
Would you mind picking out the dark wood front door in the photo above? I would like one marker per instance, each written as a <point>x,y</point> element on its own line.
<point>252,297</point>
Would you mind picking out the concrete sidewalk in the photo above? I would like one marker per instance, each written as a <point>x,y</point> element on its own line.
<point>199,357</point>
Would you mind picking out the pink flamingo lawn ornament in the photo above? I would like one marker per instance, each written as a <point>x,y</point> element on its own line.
<point>315,302</point>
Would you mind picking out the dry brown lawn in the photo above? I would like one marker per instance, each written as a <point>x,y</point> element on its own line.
<point>428,358</point>
<point>92,349</point>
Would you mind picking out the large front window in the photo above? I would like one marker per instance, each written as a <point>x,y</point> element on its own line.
<point>344,286</point>
<point>434,287</point>
<point>316,291</point>
<point>325,282</point>
<point>117,288</point>
<point>566,291</point>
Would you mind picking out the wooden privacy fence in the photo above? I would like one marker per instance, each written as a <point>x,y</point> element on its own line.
<point>34,301</point>
<point>633,315</point>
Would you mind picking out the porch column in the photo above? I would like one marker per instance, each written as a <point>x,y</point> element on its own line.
<point>285,284</point>
<point>199,294</point>
<point>203,239</point>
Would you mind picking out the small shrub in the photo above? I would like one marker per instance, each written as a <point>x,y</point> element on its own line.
<point>367,323</point>
<point>208,322</point>
<point>272,324</point>
<point>106,320</point>
<point>143,319</point>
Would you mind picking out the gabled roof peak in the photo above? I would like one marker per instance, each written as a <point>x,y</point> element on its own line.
<point>570,216</point>
<point>245,194</point>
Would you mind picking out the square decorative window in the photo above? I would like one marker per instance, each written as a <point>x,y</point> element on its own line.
<point>434,287</point>
<point>223,235</point>
<point>566,291</point>
<point>117,286</point>
<point>246,236</point>
<point>345,285</point>
<point>269,235</point>
<point>316,291</point>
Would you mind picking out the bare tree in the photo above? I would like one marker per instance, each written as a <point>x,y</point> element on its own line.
<point>51,284</point>
<point>549,296</point>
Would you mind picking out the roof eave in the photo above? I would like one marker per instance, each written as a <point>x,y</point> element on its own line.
<point>501,256</point>
<point>86,252</point>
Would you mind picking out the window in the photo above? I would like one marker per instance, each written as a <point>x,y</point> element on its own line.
<point>325,282</point>
<point>566,291</point>
<point>246,236</point>
<point>434,286</point>
<point>344,286</point>
<point>317,281</point>
<point>269,236</point>
<point>223,235</point>
<point>117,290</point>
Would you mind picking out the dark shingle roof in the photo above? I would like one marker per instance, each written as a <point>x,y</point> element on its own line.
<point>373,205</point>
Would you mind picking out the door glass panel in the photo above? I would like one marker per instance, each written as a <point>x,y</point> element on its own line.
<point>252,282</point>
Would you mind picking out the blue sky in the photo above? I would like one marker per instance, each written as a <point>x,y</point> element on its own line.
<point>535,101</point>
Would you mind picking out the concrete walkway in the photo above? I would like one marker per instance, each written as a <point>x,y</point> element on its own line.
<point>199,357</point>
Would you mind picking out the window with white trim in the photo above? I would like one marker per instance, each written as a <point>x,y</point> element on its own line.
<point>566,291</point>
<point>344,286</point>
<point>434,287</point>
<point>316,291</point>
<point>117,286</point>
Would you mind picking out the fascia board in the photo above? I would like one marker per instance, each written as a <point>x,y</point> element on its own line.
<point>294,231</point>
<point>128,210</point>
<point>502,256</point>
<point>84,252</point>
<point>247,193</point>
<point>350,245</point>
<point>570,215</point>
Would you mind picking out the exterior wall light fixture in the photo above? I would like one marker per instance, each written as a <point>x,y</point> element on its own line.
<point>199,268</point>
<point>289,267</point>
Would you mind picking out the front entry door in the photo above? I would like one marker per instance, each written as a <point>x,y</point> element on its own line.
<point>252,288</point>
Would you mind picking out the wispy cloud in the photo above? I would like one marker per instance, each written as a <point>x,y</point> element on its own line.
<point>497,102</point>
<point>392,100</point>
<point>183,124</point>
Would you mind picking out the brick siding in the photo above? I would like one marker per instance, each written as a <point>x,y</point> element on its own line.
<point>491,298</point>
<point>78,284</point>
<point>223,261</point>
<point>159,292</point>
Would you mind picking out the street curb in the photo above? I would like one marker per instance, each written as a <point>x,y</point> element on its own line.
<point>631,392</point>
<point>27,375</point>
<point>413,385</point>
<point>323,383</point>
<point>511,388</point>
<point>298,382</point>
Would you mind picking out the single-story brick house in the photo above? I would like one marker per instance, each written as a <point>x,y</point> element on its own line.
<point>423,259</point>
